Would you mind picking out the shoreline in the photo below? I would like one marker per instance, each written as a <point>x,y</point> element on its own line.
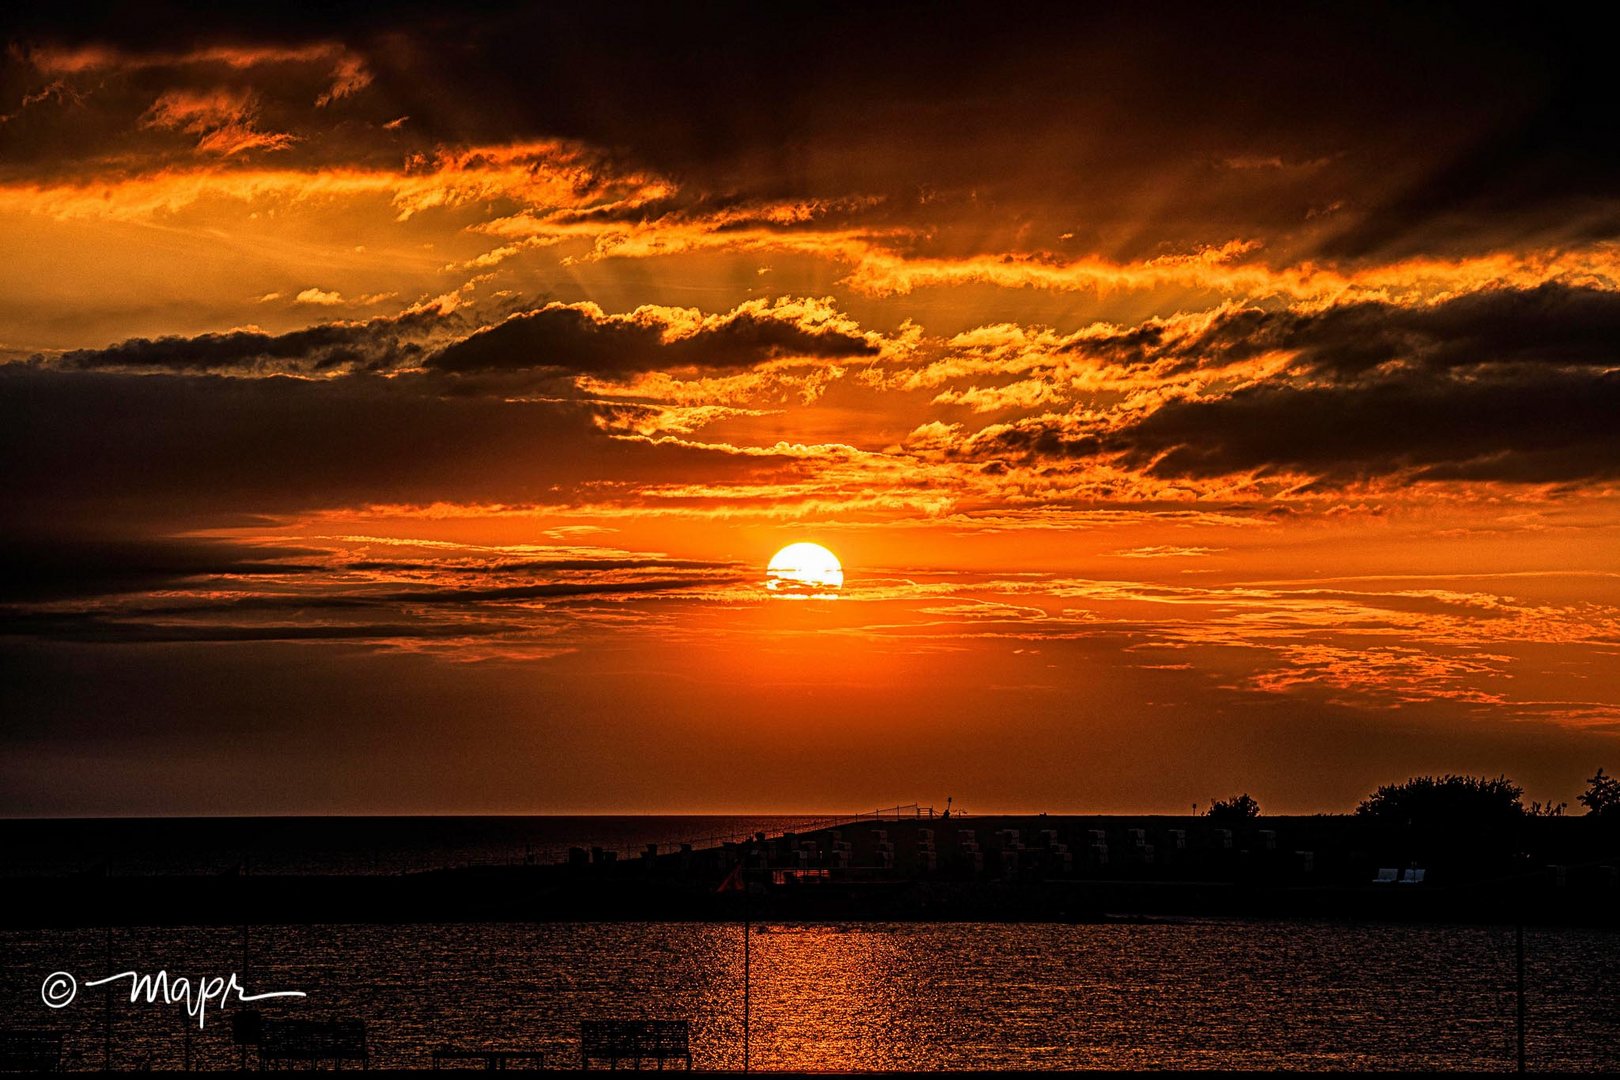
<point>1005,868</point>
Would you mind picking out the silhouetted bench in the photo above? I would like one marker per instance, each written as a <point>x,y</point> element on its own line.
<point>636,1041</point>
<point>492,1059</point>
<point>30,1051</point>
<point>336,1041</point>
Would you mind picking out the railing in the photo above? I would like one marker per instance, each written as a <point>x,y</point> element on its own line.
<point>558,852</point>
<point>891,813</point>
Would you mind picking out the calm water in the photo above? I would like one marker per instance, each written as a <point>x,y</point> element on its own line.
<point>1187,995</point>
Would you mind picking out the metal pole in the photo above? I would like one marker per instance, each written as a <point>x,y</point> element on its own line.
<point>746,946</point>
<point>106,1016</point>
<point>241,1048</point>
<point>1519,950</point>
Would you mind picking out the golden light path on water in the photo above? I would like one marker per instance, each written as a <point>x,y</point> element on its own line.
<point>855,996</point>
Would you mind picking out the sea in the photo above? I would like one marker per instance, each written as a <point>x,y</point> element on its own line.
<point>1196,993</point>
<point>1199,994</point>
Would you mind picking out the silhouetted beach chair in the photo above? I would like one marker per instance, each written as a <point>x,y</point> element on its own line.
<point>314,1041</point>
<point>668,1041</point>
<point>634,1041</point>
<point>1387,876</point>
<point>30,1051</point>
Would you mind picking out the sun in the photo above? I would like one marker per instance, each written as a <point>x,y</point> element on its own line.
<point>804,569</point>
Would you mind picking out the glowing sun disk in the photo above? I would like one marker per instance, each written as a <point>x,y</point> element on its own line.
<point>804,568</point>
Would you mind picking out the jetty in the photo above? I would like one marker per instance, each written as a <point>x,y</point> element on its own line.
<point>911,863</point>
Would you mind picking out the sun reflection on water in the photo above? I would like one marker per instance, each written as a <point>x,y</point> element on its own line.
<point>877,996</point>
<point>827,994</point>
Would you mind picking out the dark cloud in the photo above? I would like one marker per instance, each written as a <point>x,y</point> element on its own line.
<point>79,103</point>
<point>137,432</point>
<point>1546,173</point>
<point>1552,325</point>
<point>1465,129</point>
<point>574,340</point>
<point>34,570</point>
<point>91,628</point>
<point>550,342</point>
<point>75,567</point>
<point>375,344</point>
<point>1517,385</point>
<point>90,447</point>
<point>539,565</point>
<point>421,613</point>
<point>169,590</point>
<point>1509,428</point>
<point>1029,106</point>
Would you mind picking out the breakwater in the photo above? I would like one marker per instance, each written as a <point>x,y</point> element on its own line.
<point>1000,868</point>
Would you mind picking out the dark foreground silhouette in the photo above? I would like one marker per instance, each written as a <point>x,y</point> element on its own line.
<point>997,868</point>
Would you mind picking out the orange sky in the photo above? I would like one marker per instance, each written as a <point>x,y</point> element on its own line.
<point>401,410</point>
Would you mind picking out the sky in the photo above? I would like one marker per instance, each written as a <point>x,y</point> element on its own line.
<point>400,406</point>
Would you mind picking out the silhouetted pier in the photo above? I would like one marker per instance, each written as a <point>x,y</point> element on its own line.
<point>906,863</point>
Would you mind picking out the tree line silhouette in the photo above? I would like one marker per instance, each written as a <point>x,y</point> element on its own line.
<point>1451,799</point>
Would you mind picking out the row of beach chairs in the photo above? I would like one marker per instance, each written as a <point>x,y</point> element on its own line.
<point>340,1042</point>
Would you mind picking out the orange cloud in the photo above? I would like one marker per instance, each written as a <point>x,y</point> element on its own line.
<point>551,173</point>
<point>348,70</point>
<point>349,77</point>
<point>222,119</point>
<point>1024,394</point>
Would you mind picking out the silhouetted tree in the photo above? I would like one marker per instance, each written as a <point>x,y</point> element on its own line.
<point>1602,796</point>
<point>1238,808</point>
<point>1446,800</point>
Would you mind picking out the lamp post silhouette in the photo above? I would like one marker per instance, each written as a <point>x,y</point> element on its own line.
<point>747,938</point>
